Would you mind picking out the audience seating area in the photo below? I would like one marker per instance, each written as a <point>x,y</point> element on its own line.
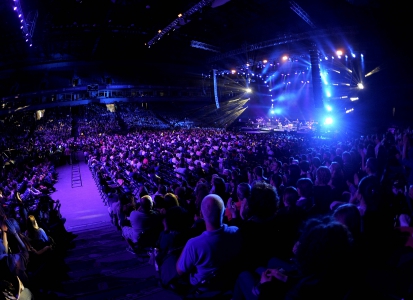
<point>329,218</point>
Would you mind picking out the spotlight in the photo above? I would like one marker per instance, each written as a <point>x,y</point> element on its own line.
<point>248,90</point>
<point>272,111</point>
<point>328,121</point>
<point>329,108</point>
<point>285,57</point>
<point>360,86</point>
<point>339,53</point>
<point>15,8</point>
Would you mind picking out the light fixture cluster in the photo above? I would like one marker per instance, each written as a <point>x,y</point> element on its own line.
<point>23,23</point>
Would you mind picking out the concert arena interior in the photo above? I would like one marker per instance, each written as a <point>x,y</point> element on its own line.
<point>213,149</point>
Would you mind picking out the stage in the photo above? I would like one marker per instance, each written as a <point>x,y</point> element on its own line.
<point>277,128</point>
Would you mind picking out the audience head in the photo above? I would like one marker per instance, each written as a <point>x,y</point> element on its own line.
<point>219,186</point>
<point>305,187</point>
<point>276,180</point>
<point>170,200</point>
<point>259,171</point>
<point>159,201</point>
<point>369,192</point>
<point>349,215</point>
<point>146,203</point>
<point>212,208</point>
<point>323,175</point>
<point>294,171</point>
<point>177,219</point>
<point>243,191</point>
<point>263,202</point>
<point>290,196</point>
<point>316,162</point>
<point>324,247</point>
<point>32,223</point>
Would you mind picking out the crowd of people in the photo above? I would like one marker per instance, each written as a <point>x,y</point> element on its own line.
<point>33,238</point>
<point>247,216</point>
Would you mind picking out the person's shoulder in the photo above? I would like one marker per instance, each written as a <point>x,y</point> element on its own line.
<point>230,229</point>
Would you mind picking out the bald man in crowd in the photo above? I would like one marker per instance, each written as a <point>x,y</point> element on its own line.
<point>215,248</point>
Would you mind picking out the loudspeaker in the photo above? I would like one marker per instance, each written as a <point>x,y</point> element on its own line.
<point>316,78</point>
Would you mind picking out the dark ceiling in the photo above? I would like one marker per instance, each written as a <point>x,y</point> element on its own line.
<point>119,29</point>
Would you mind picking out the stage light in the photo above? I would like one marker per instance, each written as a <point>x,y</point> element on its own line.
<point>265,61</point>
<point>339,53</point>
<point>15,8</point>
<point>328,94</point>
<point>248,90</point>
<point>329,108</point>
<point>352,54</point>
<point>272,112</point>
<point>360,86</point>
<point>20,15</point>
<point>159,31</point>
<point>328,121</point>
<point>361,55</point>
<point>354,98</point>
<point>179,15</point>
<point>285,57</point>
<point>349,110</point>
<point>326,58</point>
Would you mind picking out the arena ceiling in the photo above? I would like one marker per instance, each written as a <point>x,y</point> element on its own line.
<point>119,32</point>
<point>121,29</point>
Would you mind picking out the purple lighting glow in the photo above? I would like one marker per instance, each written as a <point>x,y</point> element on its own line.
<point>15,8</point>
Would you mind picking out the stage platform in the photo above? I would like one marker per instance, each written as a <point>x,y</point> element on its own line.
<point>269,129</point>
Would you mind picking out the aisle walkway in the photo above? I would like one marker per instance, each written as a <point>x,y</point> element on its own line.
<point>99,267</point>
<point>82,205</point>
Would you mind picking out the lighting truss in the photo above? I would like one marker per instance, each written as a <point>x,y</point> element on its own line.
<point>31,21</point>
<point>285,39</point>
<point>301,13</point>
<point>27,26</point>
<point>176,22</point>
<point>200,45</point>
